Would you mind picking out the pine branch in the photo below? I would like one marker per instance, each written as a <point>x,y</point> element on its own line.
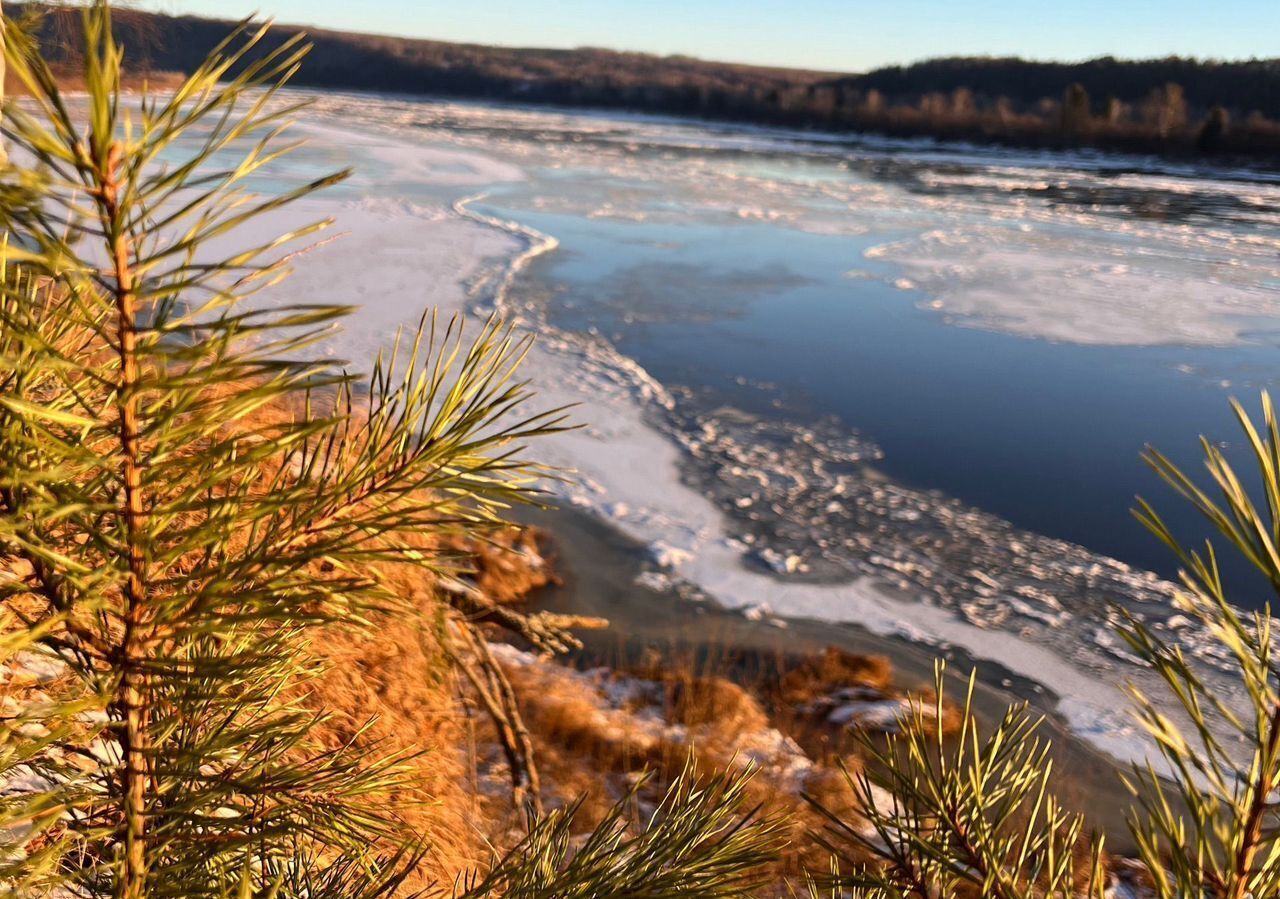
<point>188,512</point>
<point>942,813</point>
<point>702,840</point>
<point>1226,768</point>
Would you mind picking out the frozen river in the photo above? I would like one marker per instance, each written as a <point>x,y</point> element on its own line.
<point>893,385</point>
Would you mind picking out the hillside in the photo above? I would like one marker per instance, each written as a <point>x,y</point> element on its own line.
<point>377,62</point>
<point>1172,107</point>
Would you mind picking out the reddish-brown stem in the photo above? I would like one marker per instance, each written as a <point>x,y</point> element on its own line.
<point>1255,817</point>
<point>131,698</point>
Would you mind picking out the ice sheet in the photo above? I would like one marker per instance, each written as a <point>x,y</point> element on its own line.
<point>437,249</point>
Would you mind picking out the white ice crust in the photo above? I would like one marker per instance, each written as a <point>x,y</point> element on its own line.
<point>396,257</point>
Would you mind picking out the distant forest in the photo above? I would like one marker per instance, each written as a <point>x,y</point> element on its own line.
<point>1173,106</point>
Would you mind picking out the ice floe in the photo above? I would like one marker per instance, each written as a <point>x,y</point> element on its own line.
<point>913,564</point>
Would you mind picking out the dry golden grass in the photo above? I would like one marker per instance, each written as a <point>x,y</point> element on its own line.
<point>832,669</point>
<point>395,680</point>
<point>591,747</point>
<point>507,564</point>
<point>391,685</point>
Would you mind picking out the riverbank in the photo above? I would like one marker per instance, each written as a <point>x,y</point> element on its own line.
<point>410,212</point>
<point>600,573</point>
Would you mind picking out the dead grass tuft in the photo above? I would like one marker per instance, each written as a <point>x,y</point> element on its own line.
<point>833,669</point>
<point>507,564</point>
<point>595,732</point>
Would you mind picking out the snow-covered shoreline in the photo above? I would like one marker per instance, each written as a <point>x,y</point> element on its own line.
<point>411,220</point>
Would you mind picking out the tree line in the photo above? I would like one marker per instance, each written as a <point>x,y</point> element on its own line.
<point>1174,106</point>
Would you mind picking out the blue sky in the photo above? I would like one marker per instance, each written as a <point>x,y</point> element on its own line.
<point>843,35</point>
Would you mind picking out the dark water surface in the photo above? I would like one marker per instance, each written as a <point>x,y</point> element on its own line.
<point>747,269</point>
<point>1046,435</point>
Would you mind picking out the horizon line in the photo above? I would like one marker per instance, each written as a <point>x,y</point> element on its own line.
<point>316,28</point>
